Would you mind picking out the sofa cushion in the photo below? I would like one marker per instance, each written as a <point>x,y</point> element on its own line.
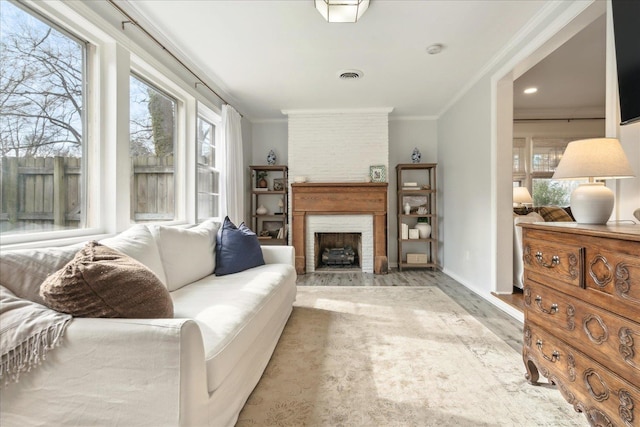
<point>555,214</point>
<point>102,282</point>
<point>237,249</point>
<point>232,312</point>
<point>187,254</point>
<point>138,243</point>
<point>22,271</point>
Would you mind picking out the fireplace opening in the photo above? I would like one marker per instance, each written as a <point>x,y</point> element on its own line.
<point>337,251</point>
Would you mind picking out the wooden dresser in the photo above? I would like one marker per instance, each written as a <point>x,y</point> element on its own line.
<point>582,316</point>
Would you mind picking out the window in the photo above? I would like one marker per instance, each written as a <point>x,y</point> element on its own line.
<point>535,170</point>
<point>42,124</point>
<point>208,178</point>
<point>152,136</point>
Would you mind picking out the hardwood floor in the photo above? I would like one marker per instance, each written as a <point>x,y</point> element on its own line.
<point>500,323</point>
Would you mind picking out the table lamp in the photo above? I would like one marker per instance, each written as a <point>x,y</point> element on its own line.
<point>521,197</point>
<point>597,158</point>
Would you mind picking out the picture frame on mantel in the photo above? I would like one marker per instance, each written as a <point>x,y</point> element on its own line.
<point>378,173</point>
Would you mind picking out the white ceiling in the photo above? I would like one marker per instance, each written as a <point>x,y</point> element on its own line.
<point>268,55</point>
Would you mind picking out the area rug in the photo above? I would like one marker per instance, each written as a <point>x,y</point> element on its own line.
<point>396,356</point>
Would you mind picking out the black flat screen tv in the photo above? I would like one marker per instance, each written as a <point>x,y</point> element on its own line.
<point>626,29</point>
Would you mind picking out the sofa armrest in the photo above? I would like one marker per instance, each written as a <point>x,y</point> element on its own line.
<point>106,369</point>
<point>278,255</point>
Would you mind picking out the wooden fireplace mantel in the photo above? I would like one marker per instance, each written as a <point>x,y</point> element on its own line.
<point>334,198</point>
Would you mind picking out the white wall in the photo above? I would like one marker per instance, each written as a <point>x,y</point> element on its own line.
<point>269,135</point>
<point>405,134</point>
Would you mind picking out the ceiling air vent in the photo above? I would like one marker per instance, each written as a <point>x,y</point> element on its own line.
<point>350,74</point>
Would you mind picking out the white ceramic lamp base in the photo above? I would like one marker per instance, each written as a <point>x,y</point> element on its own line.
<point>592,203</point>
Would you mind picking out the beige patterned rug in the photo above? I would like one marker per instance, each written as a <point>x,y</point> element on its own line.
<point>396,356</point>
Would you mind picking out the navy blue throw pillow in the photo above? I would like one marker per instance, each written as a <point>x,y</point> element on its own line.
<point>237,249</point>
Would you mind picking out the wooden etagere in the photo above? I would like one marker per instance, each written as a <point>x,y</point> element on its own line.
<point>419,252</point>
<point>272,227</point>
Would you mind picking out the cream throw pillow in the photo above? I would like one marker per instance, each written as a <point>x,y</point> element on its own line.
<point>187,254</point>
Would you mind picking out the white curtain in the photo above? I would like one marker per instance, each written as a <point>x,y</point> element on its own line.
<point>233,173</point>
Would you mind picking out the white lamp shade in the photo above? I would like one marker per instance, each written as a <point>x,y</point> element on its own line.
<point>341,10</point>
<point>521,195</point>
<point>599,158</point>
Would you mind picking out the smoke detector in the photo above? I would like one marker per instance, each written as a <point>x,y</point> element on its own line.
<point>350,74</point>
<point>434,49</point>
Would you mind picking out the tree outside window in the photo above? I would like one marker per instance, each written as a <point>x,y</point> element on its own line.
<point>152,137</point>
<point>42,74</point>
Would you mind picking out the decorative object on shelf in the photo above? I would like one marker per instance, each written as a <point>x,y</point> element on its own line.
<point>417,259</point>
<point>416,156</point>
<point>378,173</point>
<point>271,158</point>
<point>422,211</point>
<point>521,197</point>
<point>278,184</point>
<point>405,231</point>
<point>261,177</point>
<point>424,229</point>
<point>281,203</point>
<point>300,179</point>
<point>414,234</point>
<point>262,210</point>
<point>597,158</point>
<point>407,208</point>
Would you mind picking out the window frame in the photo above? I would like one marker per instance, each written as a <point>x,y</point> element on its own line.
<point>207,114</point>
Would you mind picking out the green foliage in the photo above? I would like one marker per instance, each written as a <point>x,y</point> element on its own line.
<point>550,193</point>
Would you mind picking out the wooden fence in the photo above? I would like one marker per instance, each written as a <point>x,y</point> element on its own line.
<point>45,193</point>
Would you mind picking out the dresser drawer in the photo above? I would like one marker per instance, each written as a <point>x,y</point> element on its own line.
<point>615,273</point>
<point>556,261</point>
<point>605,398</point>
<point>608,338</point>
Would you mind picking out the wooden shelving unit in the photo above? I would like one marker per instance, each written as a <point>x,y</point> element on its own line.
<point>277,218</point>
<point>424,195</point>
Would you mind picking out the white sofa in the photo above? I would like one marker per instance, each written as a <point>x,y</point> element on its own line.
<point>195,369</point>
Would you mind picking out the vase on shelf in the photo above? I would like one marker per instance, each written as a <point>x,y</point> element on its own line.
<point>407,209</point>
<point>261,210</point>
<point>424,229</point>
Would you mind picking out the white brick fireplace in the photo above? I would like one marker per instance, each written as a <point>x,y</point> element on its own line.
<point>340,224</point>
<point>331,146</point>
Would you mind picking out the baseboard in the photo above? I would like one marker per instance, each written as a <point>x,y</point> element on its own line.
<point>511,311</point>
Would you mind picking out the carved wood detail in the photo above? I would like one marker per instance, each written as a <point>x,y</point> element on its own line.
<point>526,255</point>
<point>623,282</point>
<point>595,328</point>
<point>574,271</point>
<point>598,418</point>
<point>596,385</point>
<point>571,319</point>
<point>626,407</point>
<point>627,346</point>
<point>600,271</point>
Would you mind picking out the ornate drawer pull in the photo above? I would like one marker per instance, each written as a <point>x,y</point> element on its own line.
<point>552,310</point>
<point>554,356</point>
<point>555,260</point>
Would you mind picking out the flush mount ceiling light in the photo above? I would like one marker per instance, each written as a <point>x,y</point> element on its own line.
<point>530,90</point>
<point>341,10</point>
